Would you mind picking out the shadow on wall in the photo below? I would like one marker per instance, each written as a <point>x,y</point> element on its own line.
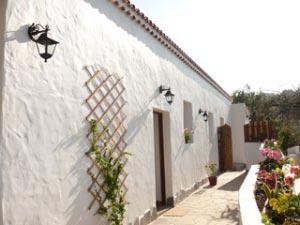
<point>137,122</point>
<point>2,32</point>
<point>121,20</point>
<point>200,145</point>
<point>75,176</point>
<point>212,136</point>
<point>214,150</point>
<point>18,35</point>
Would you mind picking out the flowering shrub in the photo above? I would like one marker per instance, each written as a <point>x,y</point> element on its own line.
<point>277,179</point>
<point>274,157</point>
<point>291,175</point>
<point>272,179</point>
<point>272,154</point>
<point>271,150</point>
<point>295,170</point>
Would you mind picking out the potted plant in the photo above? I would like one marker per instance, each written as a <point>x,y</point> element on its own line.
<point>211,170</point>
<point>188,135</point>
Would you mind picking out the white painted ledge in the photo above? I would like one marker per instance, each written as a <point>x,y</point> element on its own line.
<point>249,212</point>
<point>294,152</point>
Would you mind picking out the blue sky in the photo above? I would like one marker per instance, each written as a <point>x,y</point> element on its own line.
<point>237,42</point>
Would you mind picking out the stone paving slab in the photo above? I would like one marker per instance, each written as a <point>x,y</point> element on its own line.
<point>209,205</point>
<point>176,212</point>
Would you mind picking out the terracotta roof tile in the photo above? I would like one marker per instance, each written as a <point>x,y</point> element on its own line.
<point>165,40</point>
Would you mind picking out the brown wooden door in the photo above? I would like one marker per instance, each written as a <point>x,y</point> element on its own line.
<point>159,159</point>
<point>225,148</point>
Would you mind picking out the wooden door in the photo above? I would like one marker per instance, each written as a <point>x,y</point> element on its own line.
<point>225,148</point>
<point>159,160</point>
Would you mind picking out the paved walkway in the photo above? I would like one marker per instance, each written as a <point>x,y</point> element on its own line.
<point>208,206</point>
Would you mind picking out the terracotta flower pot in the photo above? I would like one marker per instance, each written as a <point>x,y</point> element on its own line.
<point>212,180</point>
<point>187,141</point>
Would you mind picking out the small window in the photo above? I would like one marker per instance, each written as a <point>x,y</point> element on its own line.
<point>211,127</point>
<point>188,120</point>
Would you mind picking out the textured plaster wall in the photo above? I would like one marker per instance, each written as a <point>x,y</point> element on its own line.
<point>252,153</point>
<point>44,128</point>
<point>2,30</point>
<point>238,114</point>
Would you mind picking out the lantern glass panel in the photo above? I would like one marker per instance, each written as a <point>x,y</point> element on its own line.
<point>169,97</point>
<point>46,51</point>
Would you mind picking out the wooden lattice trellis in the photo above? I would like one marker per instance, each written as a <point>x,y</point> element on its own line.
<point>106,106</point>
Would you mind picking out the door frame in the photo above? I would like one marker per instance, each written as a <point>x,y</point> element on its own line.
<point>162,159</point>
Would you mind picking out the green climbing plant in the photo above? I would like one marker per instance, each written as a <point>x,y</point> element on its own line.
<point>111,167</point>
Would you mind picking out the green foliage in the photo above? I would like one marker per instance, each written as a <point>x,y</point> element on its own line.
<point>211,167</point>
<point>188,135</point>
<point>111,168</point>
<point>287,204</point>
<point>265,219</point>
<point>271,164</point>
<point>292,221</point>
<point>282,108</point>
<point>288,135</point>
<point>271,193</point>
<point>284,136</point>
<point>258,104</point>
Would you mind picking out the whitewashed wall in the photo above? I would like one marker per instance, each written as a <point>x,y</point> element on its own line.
<point>2,30</point>
<point>252,153</point>
<point>238,114</point>
<point>294,152</point>
<point>43,134</point>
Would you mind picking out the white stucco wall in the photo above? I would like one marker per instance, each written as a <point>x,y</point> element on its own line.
<point>2,30</point>
<point>44,129</point>
<point>294,152</point>
<point>252,153</point>
<point>238,114</point>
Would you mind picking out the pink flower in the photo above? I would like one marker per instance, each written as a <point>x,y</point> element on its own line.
<point>269,178</point>
<point>289,181</point>
<point>271,154</point>
<point>274,154</point>
<point>295,170</point>
<point>265,151</point>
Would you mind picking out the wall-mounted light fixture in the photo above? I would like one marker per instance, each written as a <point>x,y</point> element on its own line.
<point>169,95</point>
<point>39,35</point>
<point>204,114</point>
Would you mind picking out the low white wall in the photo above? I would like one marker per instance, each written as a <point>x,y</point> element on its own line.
<point>249,212</point>
<point>294,152</point>
<point>238,117</point>
<point>252,153</point>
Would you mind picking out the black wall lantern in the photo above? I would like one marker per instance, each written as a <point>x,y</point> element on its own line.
<point>169,95</point>
<point>204,114</point>
<point>39,35</point>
